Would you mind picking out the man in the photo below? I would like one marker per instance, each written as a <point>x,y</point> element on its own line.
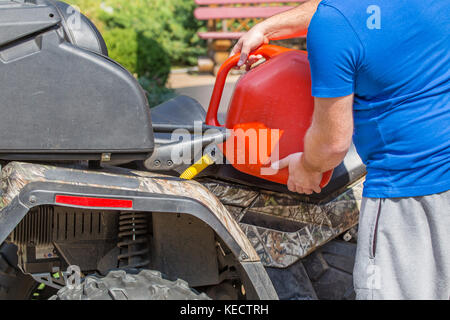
<point>381,70</point>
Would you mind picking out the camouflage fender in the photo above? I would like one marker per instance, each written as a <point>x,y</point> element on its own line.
<point>304,225</point>
<point>16,176</point>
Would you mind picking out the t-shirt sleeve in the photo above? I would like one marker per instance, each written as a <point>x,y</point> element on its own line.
<point>334,53</point>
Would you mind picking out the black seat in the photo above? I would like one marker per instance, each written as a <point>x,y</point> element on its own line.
<point>181,110</point>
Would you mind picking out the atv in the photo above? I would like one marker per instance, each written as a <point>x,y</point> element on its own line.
<point>92,203</point>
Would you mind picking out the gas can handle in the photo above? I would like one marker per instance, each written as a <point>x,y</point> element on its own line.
<point>268,51</point>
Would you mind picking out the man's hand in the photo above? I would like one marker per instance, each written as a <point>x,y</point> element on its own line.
<point>250,41</point>
<point>285,25</point>
<point>301,179</point>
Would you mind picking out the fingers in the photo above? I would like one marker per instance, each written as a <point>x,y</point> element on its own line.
<point>283,163</point>
<point>291,186</point>
<point>245,51</point>
<point>317,189</point>
<point>249,41</point>
<point>236,48</point>
<point>294,187</point>
<point>299,190</point>
<point>299,181</point>
<point>302,190</point>
<point>243,59</point>
<point>252,60</point>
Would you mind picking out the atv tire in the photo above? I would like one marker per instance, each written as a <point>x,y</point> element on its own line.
<point>330,270</point>
<point>326,274</point>
<point>14,285</point>
<point>120,285</point>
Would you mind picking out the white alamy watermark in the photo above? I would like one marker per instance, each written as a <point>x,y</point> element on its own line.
<point>252,145</point>
<point>373,277</point>
<point>374,20</point>
<point>73,17</point>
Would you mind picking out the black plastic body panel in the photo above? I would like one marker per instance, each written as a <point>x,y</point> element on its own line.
<point>79,30</point>
<point>59,101</point>
<point>18,20</point>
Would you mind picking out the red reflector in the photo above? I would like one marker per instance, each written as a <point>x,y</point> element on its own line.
<point>94,202</point>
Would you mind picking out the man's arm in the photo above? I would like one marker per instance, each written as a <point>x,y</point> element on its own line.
<point>334,58</point>
<point>325,145</point>
<point>330,135</point>
<point>283,25</point>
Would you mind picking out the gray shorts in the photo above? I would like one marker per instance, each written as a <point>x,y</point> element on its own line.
<point>404,248</point>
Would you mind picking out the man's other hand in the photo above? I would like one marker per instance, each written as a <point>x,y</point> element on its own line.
<point>301,180</point>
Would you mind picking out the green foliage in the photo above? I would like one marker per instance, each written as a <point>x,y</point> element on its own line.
<point>169,22</point>
<point>147,37</point>
<point>156,93</point>
<point>138,54</point>
<point>90,8</point>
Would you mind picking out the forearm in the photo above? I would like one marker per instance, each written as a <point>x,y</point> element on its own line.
<point>321,155</point>
<point>289,23</point>
<point>328,139</point>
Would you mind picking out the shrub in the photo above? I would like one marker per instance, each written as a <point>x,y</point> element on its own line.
<point>156,94</point>
<point>139,54</point>
<point>147,37</point>
<point>169,22</point>
<point>90,8</point>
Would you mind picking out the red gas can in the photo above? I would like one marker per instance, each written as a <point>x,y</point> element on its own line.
<point>276,95</point>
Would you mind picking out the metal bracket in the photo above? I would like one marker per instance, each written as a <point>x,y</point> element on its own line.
<point>64,278</point>
<point>48,279</point>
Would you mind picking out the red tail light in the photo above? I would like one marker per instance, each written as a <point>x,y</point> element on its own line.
<point>94,202</point>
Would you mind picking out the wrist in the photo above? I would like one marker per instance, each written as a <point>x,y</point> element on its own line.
<point>263,28</point>
<point>309,166</point>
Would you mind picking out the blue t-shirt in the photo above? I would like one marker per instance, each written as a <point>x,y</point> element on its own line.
<point>394,55</point>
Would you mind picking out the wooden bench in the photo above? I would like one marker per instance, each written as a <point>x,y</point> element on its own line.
<point>229,19</point>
